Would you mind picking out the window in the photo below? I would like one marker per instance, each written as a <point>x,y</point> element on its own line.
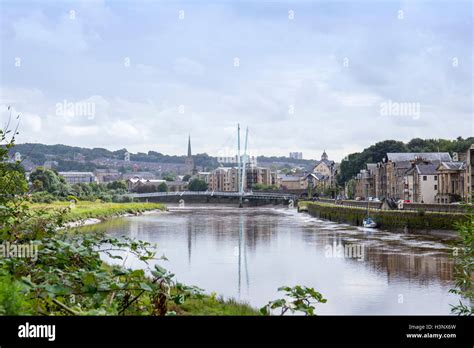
<point>435,187</point>
<point>436,177</point>
<point>424,177</point>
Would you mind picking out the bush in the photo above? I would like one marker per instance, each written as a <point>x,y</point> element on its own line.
<point>72,198</point>
<point>12,297</point>
<point>43,197</point>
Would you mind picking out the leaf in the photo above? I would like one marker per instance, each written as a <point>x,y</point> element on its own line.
<point>145,286</point>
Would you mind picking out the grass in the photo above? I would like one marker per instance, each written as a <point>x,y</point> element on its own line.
<point>211,305</point>
<point>86,210</point>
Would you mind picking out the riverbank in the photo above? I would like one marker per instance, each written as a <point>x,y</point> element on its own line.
<point>387,219</point>
<point>86,213</point>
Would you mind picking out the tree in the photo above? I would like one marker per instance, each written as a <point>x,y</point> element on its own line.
<point>168,177</point>
<point>197,185</point>
<point>186,177</point>
<point>464,266</point>
<point>117,185</point>
<point>50,181</point>
<point>162,187</point>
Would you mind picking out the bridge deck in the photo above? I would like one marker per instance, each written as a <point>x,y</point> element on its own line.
<point>246,195</point>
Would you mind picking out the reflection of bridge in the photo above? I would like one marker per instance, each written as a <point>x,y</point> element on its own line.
<point>217,197</point>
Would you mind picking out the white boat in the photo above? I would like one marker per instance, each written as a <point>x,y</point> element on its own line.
<point>368,222</point>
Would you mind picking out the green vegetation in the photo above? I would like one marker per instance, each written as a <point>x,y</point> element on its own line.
<point>197,185</point>
<point>464,266</point>
<point>87,210</point>
<point>48,186</point>
<point>168,177</point>
<point>212,305</point>
<point>163,187</point>
<point>395,219</point>
<point>354,162</point>
<point>62,272</point>
<point>303,298</point>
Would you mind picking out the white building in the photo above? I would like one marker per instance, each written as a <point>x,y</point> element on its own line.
<point>421,183</point>
<point>78,177</point>
<point>229,161</point>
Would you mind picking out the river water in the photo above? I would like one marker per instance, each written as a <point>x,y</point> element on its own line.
<point>248,253</point>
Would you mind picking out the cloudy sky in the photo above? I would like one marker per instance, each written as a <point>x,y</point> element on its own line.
<point>304,76</point>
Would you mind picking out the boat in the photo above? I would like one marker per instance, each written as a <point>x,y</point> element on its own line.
<point>368,222</point>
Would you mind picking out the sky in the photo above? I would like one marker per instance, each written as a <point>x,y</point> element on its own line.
<point>301,75</point>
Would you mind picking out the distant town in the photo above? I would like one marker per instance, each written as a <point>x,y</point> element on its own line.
<point>416,176</point>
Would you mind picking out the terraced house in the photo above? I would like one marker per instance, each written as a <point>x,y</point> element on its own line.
<point>426,177</point>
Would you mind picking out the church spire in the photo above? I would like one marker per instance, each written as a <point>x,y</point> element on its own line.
<point>189,146</point>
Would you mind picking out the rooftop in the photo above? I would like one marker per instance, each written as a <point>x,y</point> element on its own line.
<point>411,156</point>
<point>427,169</point>
<point>452,165</point>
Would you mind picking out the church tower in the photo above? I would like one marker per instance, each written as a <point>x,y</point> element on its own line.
<point>324,156</point>
<point>189,162</point>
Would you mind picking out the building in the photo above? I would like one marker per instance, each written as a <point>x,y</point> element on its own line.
<point>451,181</point>
<point>327,168</point>
<point>230,161</point>
<point>137,184</point>
<point>204,176</point>
<point>365,183</point>
<point>227,178</point>
<point>317,181</point>
<point>390,176</point>
<point>468,158</point>
<point>177,185</point>
<point>224,179</point>
<point>296,155</point>
<point>140,175</point>
<point>78,177</point>
<point>106,175</point>
<point>293,182</point>
<point>421,183</point>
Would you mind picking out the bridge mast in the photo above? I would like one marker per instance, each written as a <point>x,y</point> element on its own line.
<point>244,162</point>
<point>238,163</point>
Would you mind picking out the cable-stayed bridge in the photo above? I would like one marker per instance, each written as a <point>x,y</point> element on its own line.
<point>252,198</point>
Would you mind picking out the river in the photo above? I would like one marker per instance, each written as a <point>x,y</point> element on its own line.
<point>248,253</point>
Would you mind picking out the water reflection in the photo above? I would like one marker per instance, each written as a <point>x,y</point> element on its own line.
<point>248,253</point>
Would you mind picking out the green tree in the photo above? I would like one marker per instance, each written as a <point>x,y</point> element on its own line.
<point>186,177</point>
<point>197,185</point>
<point>464,266</point>
<point>50,181</point>
<point>117,185</point>
<point>162,187</point>
<point>168,177</point>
